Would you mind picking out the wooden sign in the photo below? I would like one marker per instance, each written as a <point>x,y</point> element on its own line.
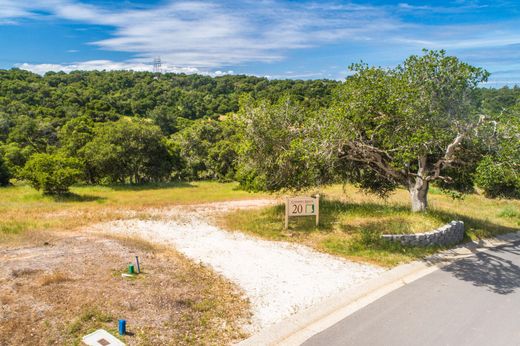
<point>302,206</point>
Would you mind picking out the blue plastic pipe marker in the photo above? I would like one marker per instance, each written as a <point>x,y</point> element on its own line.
<point>122,327</point>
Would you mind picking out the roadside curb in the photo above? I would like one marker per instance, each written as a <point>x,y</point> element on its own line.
<point>301,326</point>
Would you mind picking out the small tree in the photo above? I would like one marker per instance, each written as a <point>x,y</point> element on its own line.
<point>406,126</point>
<point>280,149</point>
<point>52,173</point>
<point>128,149</point>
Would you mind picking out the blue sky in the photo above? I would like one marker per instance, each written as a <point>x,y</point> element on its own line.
<point>278,39</point>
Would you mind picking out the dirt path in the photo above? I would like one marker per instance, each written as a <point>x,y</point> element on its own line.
<point>279,278</point>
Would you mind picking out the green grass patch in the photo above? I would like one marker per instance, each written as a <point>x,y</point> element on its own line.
<point>510,212</point>
<point>374,250</point>
<point>25,209</point>
<point>347,229</point>
<point>87,322</point>
<point>13,227</point>
<point>352,222</point>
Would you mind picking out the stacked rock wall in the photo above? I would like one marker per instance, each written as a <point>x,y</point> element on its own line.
<point>449,234</point>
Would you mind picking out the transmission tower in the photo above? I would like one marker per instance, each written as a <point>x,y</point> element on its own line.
<point>157,65</point>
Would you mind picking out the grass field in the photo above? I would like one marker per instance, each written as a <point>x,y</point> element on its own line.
<point>352,221</point>
<point>25,212</point>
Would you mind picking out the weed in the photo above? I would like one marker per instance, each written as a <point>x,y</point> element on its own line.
<point>509,212</point>
<point>90,319</point>
<point>54,278</point>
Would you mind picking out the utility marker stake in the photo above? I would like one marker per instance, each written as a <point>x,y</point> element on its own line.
<point>137,264</point>
<point>122,327</point>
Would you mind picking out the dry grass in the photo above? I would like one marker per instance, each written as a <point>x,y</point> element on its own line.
<point>59,292</point>
<point>24,272</point>
<point>53,278</point>
<point>64,286</point>
<point>25,212</point>
<point>352,221</point>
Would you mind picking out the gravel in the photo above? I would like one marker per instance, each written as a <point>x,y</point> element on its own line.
<point>279,278</point>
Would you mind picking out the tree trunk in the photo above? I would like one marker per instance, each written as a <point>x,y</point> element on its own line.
<point>419,194</point>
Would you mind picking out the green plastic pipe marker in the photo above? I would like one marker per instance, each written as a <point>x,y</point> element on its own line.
<point>131,269</point>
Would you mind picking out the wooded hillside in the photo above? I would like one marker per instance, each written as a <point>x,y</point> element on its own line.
<point>136,127</point>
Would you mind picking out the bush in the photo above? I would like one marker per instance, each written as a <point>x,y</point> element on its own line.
<point>497,180</point>
<point>52,173</point>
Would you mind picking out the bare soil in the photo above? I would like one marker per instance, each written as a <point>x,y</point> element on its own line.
<point>56,291</point>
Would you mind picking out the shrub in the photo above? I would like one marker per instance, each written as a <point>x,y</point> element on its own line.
<point>497,180</point>
<point>52,173</point>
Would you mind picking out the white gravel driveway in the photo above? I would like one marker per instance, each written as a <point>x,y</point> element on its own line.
<point>279,278</point>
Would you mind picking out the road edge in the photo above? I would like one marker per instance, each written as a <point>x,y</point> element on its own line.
<point>301,326</point>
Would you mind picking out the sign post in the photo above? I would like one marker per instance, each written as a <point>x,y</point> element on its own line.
<point>302,206</point>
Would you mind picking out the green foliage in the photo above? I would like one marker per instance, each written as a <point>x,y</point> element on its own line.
<point>497,180</point>
<point>222,158</point>
<point>407,126</point>
<point>208,149</point>
<point>496,101</point>
<point>128,150</point>
<point>52,173</point>
<point>381,128</point>
<point>280,147</point>
<point>498,174</point>
<point>59,111</point>
<point>75,134</point>
<point>395,126</point>
<point>16,156</point>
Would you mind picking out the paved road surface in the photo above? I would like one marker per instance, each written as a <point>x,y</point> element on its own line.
<point>474,301</point>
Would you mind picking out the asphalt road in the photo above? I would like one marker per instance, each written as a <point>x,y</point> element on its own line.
<point>474,301</point>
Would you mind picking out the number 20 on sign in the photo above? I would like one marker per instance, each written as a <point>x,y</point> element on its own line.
<point>302,206</point>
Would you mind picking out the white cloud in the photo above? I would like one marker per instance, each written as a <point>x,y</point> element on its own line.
<point>108,65</point>
<point>204,36</point>
<point>12,9</point>
<point>210,34</point>
<point>455,8</point>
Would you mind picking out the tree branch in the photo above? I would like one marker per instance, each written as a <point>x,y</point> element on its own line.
<point>378,159</point>
<point>449,154</point>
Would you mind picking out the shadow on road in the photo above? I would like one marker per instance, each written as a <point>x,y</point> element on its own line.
<point>492,269</point>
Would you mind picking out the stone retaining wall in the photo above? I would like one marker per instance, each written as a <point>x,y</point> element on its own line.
<point>449,234</point>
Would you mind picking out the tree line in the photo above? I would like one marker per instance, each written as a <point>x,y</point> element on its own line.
<point>130,127</point>
<point>426,121</point>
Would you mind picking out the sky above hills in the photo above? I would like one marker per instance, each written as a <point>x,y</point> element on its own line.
<point>278,39</point>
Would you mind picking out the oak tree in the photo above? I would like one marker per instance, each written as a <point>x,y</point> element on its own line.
<point>407,125</point>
